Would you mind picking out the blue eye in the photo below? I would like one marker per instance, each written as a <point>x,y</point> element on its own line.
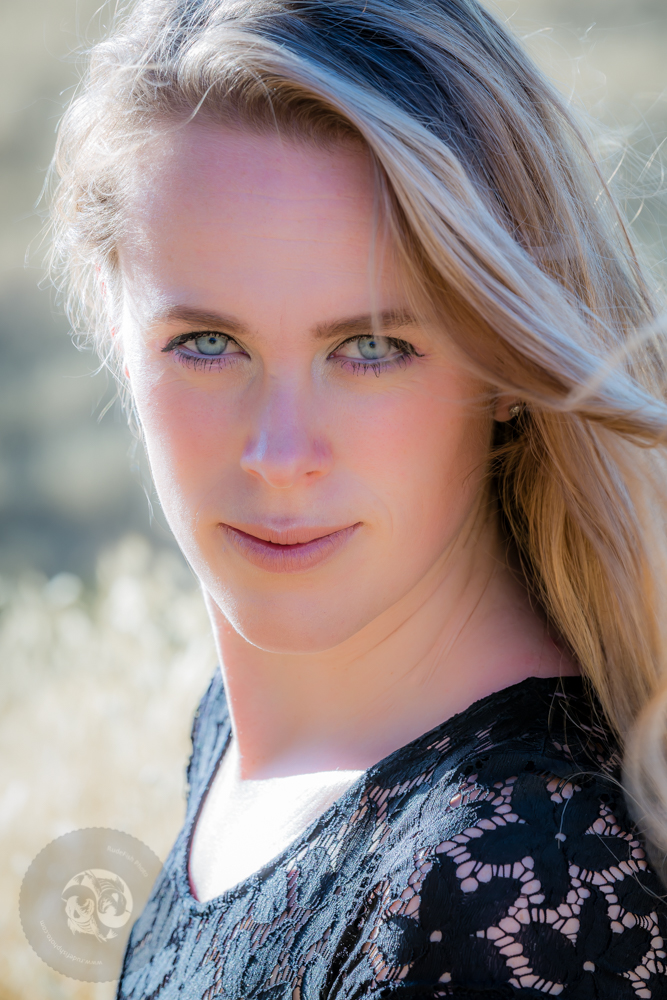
<point>373,348</point>
<point>211,343</point>
<point>371,353</point>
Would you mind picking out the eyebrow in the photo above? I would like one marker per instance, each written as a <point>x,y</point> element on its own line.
<point>388,320</point>
<point>201,318</point>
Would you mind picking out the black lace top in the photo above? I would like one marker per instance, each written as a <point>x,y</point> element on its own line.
<point>492,857</point>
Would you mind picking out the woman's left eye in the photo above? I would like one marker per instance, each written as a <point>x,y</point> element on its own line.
<point>370,349</point>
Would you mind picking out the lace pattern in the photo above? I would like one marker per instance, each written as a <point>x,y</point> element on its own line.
<point>493,857</point>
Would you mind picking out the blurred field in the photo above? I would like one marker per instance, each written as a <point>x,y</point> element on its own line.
<point>99,687</point>
<point>104,643</point>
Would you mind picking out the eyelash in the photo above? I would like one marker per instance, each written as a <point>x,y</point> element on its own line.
<point>357,367</point>
<point>204,363</point>
<point>199,362</point>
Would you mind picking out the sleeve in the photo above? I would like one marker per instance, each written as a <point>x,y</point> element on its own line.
<point>530,886</point>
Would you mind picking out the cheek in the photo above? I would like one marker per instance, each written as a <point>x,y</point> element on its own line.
<point>188,435</point>
<point>423,453</point>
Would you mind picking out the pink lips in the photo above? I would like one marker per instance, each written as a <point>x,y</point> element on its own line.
<point>289,551</point>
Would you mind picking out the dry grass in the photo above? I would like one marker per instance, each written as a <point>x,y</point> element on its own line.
<point>98,691</point>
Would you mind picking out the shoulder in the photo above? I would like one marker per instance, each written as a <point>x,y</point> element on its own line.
<point>515,864</point>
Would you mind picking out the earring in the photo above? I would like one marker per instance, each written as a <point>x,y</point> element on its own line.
<point>516,410</point>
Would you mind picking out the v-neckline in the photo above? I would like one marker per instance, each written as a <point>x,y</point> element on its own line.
<point>568,684</point>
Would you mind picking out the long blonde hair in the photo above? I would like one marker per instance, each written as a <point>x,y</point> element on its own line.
<point>506,229</point>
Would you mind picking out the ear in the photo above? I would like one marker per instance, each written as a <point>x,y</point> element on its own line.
<point>504,404</point>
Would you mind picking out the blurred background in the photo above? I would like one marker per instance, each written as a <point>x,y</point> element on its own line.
<point>104,643</point>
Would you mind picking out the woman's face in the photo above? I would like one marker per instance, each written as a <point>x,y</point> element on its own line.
<point>315,475</point>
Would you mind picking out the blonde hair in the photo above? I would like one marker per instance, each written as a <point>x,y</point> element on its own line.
<point>505,226</point>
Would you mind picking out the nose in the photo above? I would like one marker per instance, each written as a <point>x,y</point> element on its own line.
<point>284,447</point>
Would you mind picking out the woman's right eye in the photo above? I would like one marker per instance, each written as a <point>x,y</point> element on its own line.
<point>210,344</point>
<point>205,349</point>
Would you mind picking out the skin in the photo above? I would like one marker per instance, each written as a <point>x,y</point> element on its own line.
<point>329,666</point>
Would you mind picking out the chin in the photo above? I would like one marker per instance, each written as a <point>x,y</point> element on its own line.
<point>292,615</point>
<point>277,628</point>
<point>280,637</point>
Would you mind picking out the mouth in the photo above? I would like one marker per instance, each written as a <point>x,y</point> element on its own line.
<point>289,551</point>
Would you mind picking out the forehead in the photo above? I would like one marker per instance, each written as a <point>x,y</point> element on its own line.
<point>228,161</point>
<point>207,201</point>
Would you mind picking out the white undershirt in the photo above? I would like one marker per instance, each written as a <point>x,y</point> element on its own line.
<point>244,824</point>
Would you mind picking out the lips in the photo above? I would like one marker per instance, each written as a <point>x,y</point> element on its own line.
<point>290,550</point>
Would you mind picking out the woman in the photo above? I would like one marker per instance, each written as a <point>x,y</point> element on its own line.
<point>385,337</point>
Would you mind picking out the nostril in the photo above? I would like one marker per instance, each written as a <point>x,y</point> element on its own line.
<point>284,459</point>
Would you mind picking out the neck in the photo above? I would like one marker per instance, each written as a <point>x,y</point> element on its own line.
<point>466,631</point>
